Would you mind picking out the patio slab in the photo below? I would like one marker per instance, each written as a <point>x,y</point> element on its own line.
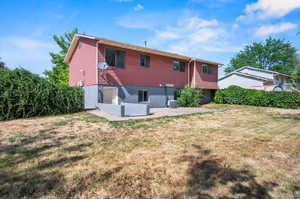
<point>154,113</point>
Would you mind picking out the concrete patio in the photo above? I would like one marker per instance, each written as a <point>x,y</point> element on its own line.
<point>154,113</point>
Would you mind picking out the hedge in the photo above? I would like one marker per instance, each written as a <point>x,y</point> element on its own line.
<point>238,95</point>
<point>23,95</point>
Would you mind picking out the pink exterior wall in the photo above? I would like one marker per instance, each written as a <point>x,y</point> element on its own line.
<point>205,81</point>
<point>159,72</point>
<point>83,58</point>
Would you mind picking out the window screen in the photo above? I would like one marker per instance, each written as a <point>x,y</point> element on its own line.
<point>206,68</point>
<point>115,58</point>
<point>145,60</point>
<point>178,66</point>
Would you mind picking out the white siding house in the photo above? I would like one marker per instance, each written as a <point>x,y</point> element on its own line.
<point>255,78</point>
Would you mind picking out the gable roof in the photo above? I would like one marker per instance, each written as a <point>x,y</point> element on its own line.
<point>260,69</point>
<point>131,47</point>
<point>245,75</point>
<point>250,75</point>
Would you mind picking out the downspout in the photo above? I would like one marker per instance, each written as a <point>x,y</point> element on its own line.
<point>194,73</point>
<point>97,71</point>
<point>97,61</point>
<point>189,84</point>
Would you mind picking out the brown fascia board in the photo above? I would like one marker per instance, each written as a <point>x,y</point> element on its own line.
<point>131,47</point>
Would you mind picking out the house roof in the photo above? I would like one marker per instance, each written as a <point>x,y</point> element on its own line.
<point>245,75</point>
<point>131,47</point>
<point>253,76</point>
<point>260,69</point>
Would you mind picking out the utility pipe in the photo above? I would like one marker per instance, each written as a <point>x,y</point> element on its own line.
<point>189,84</point>
<point>194,74</point>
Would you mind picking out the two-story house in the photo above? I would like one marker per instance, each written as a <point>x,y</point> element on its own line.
<point>256,78</point>
<point>113,72</point>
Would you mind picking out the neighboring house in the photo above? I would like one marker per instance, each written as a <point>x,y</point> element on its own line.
<point>256,78</point>
<point>112,72</point>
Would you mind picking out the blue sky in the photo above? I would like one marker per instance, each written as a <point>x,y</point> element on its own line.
<point>209,29</point>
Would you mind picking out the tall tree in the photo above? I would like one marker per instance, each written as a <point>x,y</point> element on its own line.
<point>59,74</point>
<point>2,64</point>
<point>296,77</point>
<point>272,54</point>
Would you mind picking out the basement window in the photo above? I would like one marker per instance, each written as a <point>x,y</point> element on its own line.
<point>115,58</point>
<point>144,60</point>
<point>143,96</point>
<point>178,66</point>
<point>206,68</point>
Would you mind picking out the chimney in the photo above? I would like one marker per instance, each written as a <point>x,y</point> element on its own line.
<point>145,43</point>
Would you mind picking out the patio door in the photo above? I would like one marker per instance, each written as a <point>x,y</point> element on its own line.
<point>110,95</point>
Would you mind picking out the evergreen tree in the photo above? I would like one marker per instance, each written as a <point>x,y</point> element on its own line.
<point>59,74</point>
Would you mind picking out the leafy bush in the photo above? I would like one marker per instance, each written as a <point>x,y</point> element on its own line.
<point>189,97</point>
<point>238,95</point>
<point>23,94</point>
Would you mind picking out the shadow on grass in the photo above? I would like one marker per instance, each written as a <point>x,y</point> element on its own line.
<point>79,147</point>
<point>88,181</point>
<point>207,172</point>
<point>295,117</point>
<point>22,176</point>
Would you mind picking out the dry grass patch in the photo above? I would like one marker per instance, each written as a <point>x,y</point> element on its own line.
<point>237,152</point>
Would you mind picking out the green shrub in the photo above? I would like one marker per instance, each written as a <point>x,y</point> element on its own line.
<point>189,97</point>
<point>238,95</point>
<point>219,98</point>
<point>23,94</point>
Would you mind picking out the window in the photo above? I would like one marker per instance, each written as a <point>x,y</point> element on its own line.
<point>178,66</point>
<point>206,69</point>
<point>115,58</point>
<point>143,96</point>
<point>145,60</point>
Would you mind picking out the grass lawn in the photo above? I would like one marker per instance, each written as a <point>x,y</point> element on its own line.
<point>236,152</point>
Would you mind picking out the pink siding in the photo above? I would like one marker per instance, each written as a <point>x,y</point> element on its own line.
<point>205,81</point>
<point>159,72</point>
<point>83,63</point>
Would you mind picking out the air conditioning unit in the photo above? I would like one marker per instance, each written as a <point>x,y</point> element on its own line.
<point>172,103</point>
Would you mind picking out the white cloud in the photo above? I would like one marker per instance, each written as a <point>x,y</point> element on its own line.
<point>28,53</point>
<point>138,7</point>
<point>265,9</point>
<point>196,23</point>
<point>167,34</point>
<point>235,26</point>
<point>273,29</point>
<point>193,35</point>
